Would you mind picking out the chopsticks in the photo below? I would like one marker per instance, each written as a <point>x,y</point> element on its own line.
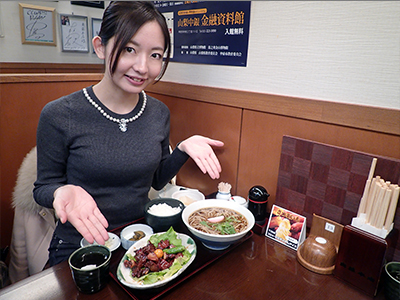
<point>379,201</point>
<point>392,206</point>
<point>364,200</point>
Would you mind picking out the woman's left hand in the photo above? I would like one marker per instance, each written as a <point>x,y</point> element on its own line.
<point>199,148</point>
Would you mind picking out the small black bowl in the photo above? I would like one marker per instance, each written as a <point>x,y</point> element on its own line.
<point>163,223</point>
<point>92,279</point>
<point>392,281</point>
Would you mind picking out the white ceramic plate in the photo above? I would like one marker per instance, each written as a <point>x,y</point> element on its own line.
<point>112,243</point>
<point>188,196</point>
<point>168,190</point>
<point>124,274</point>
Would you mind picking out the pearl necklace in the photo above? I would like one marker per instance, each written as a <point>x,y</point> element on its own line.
<point>122,122</point>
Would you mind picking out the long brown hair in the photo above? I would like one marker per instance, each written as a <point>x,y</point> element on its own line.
<point>122,19</point>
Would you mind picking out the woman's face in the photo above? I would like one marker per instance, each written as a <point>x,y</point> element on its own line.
<point>141,60</point>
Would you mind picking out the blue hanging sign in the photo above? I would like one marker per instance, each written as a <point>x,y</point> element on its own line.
<point>208,32</point>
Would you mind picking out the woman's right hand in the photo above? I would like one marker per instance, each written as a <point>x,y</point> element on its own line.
<point>199,148</point>
<point>72,203</point>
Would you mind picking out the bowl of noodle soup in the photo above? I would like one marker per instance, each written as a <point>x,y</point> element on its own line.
<point>237,222</point>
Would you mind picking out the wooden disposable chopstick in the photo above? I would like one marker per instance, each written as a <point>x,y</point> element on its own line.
<point>364,199</point>
<point>393,205</point>
<point>371,196</point>
<point>384,208</point>
<point>377,203</point>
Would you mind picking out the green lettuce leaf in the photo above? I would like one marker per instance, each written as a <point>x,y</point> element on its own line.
<point>168,235</point>
<point>153,277</point>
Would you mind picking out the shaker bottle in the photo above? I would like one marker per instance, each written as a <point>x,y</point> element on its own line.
<point>258,200</point>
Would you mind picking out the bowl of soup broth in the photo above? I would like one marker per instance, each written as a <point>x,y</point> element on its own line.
<point>217,223</point>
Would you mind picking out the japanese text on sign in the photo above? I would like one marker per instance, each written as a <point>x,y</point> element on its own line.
<point>207,32</point>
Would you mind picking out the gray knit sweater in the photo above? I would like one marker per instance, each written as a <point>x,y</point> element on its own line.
<point>77,145</point>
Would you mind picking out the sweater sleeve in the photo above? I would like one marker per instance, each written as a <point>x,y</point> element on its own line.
<point>169,168</point>
<point>171,162</point>
<point>52,153</point>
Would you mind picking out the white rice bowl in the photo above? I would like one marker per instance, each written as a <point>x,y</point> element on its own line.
<point>215,241</point>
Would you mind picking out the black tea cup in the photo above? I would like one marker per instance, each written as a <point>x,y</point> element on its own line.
<point>90,266</point>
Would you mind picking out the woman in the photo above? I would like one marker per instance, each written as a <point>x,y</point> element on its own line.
<point>101,149</point>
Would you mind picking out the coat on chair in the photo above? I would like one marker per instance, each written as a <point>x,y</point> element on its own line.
<point>33,225</point>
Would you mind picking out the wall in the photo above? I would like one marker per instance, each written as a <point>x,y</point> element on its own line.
<point>252,155</point>
<point>21,101</point>
<point>328,64</point>
<point>12,50</point>
<point>250,124</point>
<point>32,68</point>
<point>342,51</point>
<point>345,51</point>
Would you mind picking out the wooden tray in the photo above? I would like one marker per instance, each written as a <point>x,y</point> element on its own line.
<point>204,257</point>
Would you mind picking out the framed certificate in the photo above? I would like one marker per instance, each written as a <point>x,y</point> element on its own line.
<point>74,33</point>
<point>97,4</point>
<point>38,25</point>
<point>96,24</point>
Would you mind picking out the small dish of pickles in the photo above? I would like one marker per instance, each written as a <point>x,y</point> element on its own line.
<point>133,233</point>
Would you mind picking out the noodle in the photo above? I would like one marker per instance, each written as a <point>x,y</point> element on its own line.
<point>198,219</point>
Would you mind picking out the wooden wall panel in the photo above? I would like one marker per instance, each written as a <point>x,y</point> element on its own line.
<point>251,125</point>
<point>261,143</point>
<point>357,116</point>
<point>211,120</point>
<point>21,102</point>
<point>6,70</point>
<point>32,68</point>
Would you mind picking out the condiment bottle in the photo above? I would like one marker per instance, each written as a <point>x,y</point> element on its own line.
<point>258,200</point>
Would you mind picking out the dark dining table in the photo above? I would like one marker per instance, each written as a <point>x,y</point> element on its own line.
<point>256,267</point>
